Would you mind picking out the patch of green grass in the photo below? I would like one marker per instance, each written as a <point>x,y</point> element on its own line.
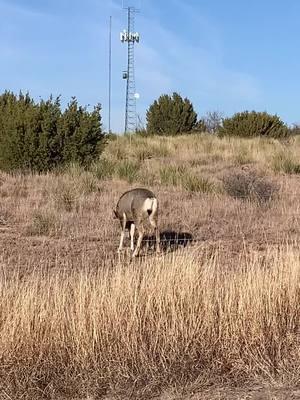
<point>180,176</point>
<point>102,169</point>
<point>193,183</point>
<point>128,170</point>
<point>285,162</point>
<point>171,175</point>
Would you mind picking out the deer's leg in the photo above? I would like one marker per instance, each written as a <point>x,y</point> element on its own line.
<point>154,223</point>
<point>132,229</point>
<point>122,233</point>
<point>140,230</point>
<point>157,239</point>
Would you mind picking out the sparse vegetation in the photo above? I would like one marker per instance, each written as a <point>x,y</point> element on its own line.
<point>78,323</point>
<point>213,121</point>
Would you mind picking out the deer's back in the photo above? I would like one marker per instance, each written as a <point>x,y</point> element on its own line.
<point>132,201</point>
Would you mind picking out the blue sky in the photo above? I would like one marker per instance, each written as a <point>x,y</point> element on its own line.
<point>225,56</point>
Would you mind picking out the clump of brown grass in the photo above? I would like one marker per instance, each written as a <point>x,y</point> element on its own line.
<point>72,185</point>
<point>83,332</point>
<point>65,195</point>
<point>42,223</point>
<point>249,185</point>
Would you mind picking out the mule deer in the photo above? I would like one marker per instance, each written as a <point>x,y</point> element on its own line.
<point>133,208</point>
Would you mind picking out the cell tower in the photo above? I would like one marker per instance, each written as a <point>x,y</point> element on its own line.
<point>130,37</point>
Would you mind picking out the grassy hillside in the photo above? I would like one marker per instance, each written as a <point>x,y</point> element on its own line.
<point>218,311</point>
<point>157,160</point>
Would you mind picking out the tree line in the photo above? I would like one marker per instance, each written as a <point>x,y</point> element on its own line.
<point>40,136</point>
<point>174,115</point>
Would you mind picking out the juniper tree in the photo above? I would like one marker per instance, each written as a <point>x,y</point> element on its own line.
<point>171,115</point>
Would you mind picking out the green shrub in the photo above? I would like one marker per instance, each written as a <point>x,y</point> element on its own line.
<point>40,136</point>
<point>251,124</point>
<point>200,126</point>
<point>80,133</point>
<point>171,115</point>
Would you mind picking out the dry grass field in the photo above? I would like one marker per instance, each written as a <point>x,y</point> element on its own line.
<point>215,316</point>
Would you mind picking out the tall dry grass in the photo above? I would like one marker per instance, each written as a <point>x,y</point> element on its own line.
<point>76,323</point>
<point>163,322</point>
